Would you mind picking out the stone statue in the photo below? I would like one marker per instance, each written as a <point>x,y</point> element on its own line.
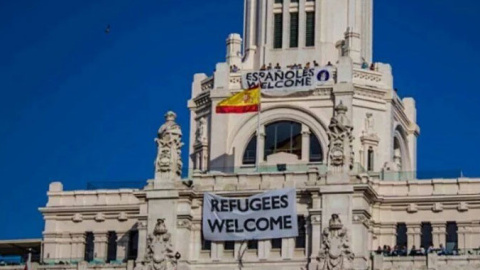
<point>336,253</point>
<point>201,132</point>
<point>168,164</point>
<point>369,124</point>
<point>160,254</point>
<point>340,139</point>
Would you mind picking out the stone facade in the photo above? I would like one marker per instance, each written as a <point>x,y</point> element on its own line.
<point>351,194</point>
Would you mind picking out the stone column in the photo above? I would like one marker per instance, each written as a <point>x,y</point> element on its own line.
<point>413,235</point>
<point>78,247</point>
<point>142,240</point>
<point>100,246</point>
<point>261,145</point>
<point>439,233</point>
<point>122,245</point>
<point>463,236</point>
<point>305,143</point>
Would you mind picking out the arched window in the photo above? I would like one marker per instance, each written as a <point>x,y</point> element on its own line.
<point>283,136</point>
<point>250,154</point>
<point>316,152</point>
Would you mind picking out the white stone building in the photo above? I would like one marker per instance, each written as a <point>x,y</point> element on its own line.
<point>347,146</point>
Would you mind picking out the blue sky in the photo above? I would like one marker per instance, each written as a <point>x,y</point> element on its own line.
<point>78,105</point>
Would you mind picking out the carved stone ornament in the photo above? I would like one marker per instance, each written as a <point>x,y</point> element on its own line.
<point>160,254</point>
<point>336,253</point>
<point>168,164</point>
<point>201,132</point>
<point>340,139</point>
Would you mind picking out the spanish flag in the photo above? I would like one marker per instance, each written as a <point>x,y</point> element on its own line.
<point>243,102</point>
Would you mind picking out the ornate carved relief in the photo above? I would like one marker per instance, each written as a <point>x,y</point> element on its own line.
<point>168,164</point>
<point>336,253</point>
<point>160,254</point>
<point>201,136</point>
<point>340,138</point>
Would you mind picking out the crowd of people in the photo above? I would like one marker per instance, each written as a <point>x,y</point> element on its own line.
<point>270,66</point>
<point>403,251</point>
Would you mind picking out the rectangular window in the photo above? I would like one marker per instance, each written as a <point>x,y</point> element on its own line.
<point>402,235</point>
<point>277,243</point>
<point>300,241</point>
<point>294,30</point>
<point>452,237</point>
<point>89,238</point>
<point>426,237</point>
<point>133,245</point>
<point>278,31</point>
<point>229,245</point>
<point>310,30</point>
<point>278,1</point>
<point>252,244</point>
<point>293,1</point>
<point>206,244</point>
<point>111,246</point>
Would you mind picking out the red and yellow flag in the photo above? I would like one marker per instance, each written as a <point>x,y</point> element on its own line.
<point>243,102</point>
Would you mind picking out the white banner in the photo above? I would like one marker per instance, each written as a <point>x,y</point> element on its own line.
<point>290,80</point>
<point>264,216</point>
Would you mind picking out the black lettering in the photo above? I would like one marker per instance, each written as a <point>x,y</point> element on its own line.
<point>279,75</point>
<point>279,84</point>
<point>277,221</point>
<point>284,200</point>
<point>266,203</point>
<point>232,204</point>
<point>237,228</point>
<point>256,204</point>
<point>299,82</point>
<point>287,222</point>
<point>275,202</point>
<point>216,224</point>
<point>248,76</point>
<point>224,205</point>
<point>240,206</point>
<point>230,223</point>
<point>289,74</point>
<point>262,228</point>
<point>308,81</point>
<point>269,77</point>
<point>215,206</point>
<point>251,84</point>
<point>311,72</point>
<point>246,225</point>
<point>289,83</point>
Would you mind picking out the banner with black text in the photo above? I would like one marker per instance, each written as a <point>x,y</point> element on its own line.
<point>268,215</point>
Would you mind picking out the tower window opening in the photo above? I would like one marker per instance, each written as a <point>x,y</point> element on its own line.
<point>310,29</point>
<point>276,243</point>
<point>426,237</point>
<point>316,152</point>
<point>370,159</point>
<point>300,241</point>
<point>452,236</point>
<point>284,136</point>
<point>111,246</point>
<point>278,1</point>
<point>250,154</point>
<point>402,235</point>
<point>294,30</point>
<point>278,31</point>
<point>89,244</point>
<point>229,245</point>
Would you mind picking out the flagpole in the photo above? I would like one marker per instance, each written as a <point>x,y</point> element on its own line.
<point>257,160</point>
